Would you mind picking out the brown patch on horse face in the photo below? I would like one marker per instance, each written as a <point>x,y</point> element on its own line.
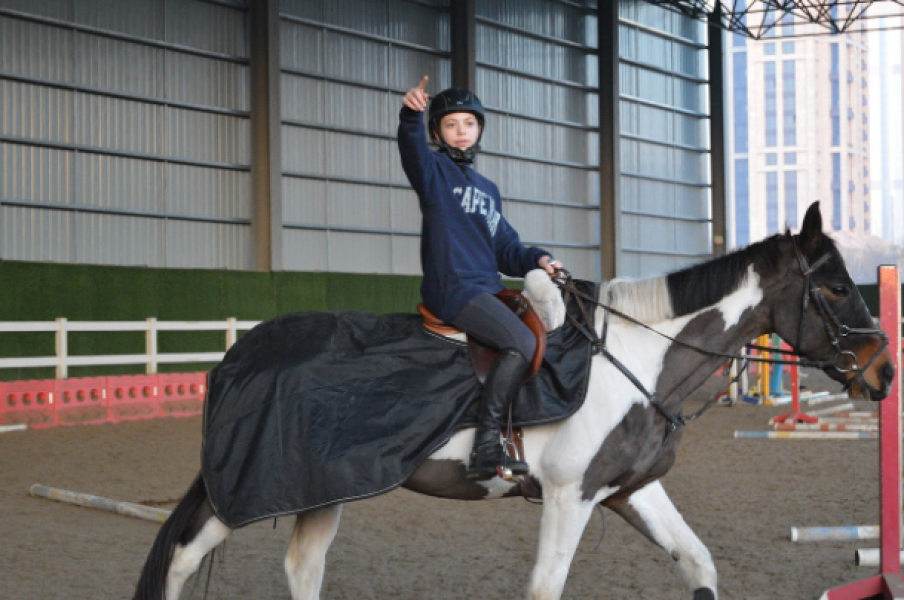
<point>878,376</point>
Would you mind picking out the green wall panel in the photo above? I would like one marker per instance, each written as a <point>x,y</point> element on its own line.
<point>43,292</point>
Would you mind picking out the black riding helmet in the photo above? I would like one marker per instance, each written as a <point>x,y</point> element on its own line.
<point>450,101</point>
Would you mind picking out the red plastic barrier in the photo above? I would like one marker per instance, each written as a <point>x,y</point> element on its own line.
<point>182,394</point>
<point>81,401</point>
<point>132,398</point>
<point>29,402</point>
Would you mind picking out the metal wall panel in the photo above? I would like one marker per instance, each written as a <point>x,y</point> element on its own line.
<point>665,173</point>
<point>207,245</point>
<point>55,9</point>
<point>207,192</point>
<point>115,124</point>
<point>35,50</point>
<point>346,202</point>
<point>104,239</point>
<point>139,112</point>
<point>206,27</point>
<point>304,249</point>
<point>142,19</point>
<point>206,81</point>
<point>118,66</point>
<point>35,174</point>
<point>117,183</point>
<point>19,100</point>
<point>537,77</point>
<point>203,136</point>
<point>304,201</point>
<point>36,235</point>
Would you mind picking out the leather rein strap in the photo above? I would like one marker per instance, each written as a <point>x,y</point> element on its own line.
<point>563,279</point>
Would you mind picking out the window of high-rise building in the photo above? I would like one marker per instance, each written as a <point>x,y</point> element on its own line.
<point>771,202</point>
<point>769,91</point>
<point>790,158</point>
<point>742,201</point>
<point>836,97</point>
<point>789,103</point>
<point>740,102</point>
<point>836,191</point>
<point>791,199</point>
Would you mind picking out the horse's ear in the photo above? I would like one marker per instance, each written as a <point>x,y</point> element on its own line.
<point>811,231</point>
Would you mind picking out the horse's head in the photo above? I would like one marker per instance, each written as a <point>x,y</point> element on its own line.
<point>824,318</point>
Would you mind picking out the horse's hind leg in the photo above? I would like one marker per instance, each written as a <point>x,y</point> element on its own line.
<point>187,558</point>
<point>650,510</point>
<point>306,558</point>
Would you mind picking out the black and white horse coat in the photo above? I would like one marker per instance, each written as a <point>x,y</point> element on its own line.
<point>614,449</point>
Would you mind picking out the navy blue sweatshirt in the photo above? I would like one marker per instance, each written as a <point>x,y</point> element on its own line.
<point>465,240</point>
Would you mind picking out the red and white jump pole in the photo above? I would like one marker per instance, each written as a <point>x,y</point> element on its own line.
<point>888,583</point>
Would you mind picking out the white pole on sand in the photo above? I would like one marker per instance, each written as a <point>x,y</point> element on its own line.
<point>129,509</point>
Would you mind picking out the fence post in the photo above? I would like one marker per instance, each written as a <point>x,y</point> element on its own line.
<point>62,349</point>
<point>150,346</point>
<point>231,332</point>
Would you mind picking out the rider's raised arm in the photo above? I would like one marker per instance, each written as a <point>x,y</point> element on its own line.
<point>417,158</point>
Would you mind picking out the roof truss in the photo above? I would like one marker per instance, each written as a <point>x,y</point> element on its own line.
<point>767,18</point>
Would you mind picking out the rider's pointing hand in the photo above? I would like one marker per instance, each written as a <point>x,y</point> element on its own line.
<point>416,98</point>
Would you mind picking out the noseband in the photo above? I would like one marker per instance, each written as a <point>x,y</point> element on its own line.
<point>844,361</point>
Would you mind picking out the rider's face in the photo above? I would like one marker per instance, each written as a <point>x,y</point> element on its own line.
<point>459,130</point>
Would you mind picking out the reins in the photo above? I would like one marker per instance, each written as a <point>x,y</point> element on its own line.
<point>563,279</point>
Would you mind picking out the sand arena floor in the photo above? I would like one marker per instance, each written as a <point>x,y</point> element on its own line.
<point>740,496</point>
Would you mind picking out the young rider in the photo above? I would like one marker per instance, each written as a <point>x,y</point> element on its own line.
<point>465,243</point>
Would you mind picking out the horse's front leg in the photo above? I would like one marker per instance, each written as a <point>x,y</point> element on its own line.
<point>565,516</point>
<point>306,558</point>
<point>651,511</point>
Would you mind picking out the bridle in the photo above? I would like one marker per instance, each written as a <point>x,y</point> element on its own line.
<point>844,361</point>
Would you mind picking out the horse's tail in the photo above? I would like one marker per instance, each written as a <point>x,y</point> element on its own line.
<point>181,523</point>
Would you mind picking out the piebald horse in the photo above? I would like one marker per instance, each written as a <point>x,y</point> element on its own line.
<point>615,448</point>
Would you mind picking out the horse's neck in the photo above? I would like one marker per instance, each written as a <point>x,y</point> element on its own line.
<point>674,370</point>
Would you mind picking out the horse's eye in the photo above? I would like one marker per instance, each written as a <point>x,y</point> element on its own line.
<point>840,290</point>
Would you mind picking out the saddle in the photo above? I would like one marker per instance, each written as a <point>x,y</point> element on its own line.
<point>483,356</point>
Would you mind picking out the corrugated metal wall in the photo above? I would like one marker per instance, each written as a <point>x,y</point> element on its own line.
<point>537,74</point>
<point>665,178</point>
<point>347,205</point>
<point>124,132</point>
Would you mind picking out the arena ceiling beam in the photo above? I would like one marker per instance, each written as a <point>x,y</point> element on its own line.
<point>766,18</point>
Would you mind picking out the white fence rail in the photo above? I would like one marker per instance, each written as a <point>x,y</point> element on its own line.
<point>151,358</point>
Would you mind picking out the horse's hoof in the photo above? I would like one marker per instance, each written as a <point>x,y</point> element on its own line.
<point>704,594</point>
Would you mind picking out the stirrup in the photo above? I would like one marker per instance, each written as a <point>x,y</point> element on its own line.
<point>510,469</point>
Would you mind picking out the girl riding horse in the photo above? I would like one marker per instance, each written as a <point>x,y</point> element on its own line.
<point>465,243</point>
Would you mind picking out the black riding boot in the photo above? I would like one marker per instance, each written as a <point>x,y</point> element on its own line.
<point>500,389</point>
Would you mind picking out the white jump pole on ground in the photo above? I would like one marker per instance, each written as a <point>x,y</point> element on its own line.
<point>808,435</point>
<point>18,427</point>
<point>826,534</point>
<point>832,410</point>
<point>148,513</point>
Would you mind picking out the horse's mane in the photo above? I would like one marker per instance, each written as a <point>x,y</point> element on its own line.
<point>691,289</point>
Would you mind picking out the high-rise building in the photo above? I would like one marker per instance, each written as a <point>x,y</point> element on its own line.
<point>886,54</point>
<point>798,107</point>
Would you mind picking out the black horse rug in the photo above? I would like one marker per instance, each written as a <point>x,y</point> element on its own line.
<point>311,409</point>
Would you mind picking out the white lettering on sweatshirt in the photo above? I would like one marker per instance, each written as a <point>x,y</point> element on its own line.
<point>474,200</point>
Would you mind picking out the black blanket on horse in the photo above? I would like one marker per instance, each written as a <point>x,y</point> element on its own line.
<point>311,409</point>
